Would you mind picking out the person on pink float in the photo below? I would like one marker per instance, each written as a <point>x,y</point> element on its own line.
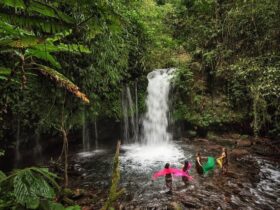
<point>168,172</point>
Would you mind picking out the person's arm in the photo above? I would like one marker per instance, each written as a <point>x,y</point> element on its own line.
<point>198,161</point>
<point>222,156</point>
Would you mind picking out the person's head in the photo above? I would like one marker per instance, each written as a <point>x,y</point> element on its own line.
<point>198,154</point>
<point>186,163</point>
<point>224,150</point>
<point>167,165</point>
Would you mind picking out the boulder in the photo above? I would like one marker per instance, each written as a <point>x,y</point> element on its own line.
<point>201,140</point>
<point>243,143</point>
<point>236,153</point>
<point>214,148</point>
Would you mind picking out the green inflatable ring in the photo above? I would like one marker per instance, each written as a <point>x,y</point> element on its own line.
<point>209,165</point>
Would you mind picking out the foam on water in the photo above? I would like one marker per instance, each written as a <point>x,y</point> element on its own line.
<point>147,156</point>
<point>90,153</point>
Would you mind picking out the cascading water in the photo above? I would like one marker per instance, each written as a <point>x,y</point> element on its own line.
<point>18,155</point>
<point>156,119</point>
<point>136,114</point>
<point>38,146</point>
<point>95,134</point>
<point>130,116</point>
<point>155,144</point>
<point>125,118</point>
<point>86,139</point>
<point>131,111</point>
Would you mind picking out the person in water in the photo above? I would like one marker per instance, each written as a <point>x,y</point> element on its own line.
<point>223,160</point>
<point>198,163</point>
<point>168,178</point>
<point>186,168</point>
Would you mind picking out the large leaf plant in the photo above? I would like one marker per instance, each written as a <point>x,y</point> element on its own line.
<point>33,44</point>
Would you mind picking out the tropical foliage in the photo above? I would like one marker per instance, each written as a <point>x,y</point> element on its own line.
<point>64,63</point>
<point>30,188</point>
<point>234,53</point>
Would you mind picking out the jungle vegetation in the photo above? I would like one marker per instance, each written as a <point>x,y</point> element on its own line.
<point>61,61</point>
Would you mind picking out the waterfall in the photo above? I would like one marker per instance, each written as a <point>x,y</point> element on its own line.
<point>38,146</point>
<point>86,139</point>
<point>125,118</point>
<point>18,155</point>
<point>155,122</point>
<point>130,116</point>
<point>136,114</point>
<point>95,134</point>
<point>155,146</point>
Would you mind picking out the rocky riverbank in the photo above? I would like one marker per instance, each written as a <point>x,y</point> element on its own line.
<point>252,182</point>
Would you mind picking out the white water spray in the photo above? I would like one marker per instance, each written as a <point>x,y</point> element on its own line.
<point>156,119</point>
<point>130,116</point>
<point>86,137</point>
<point>155,145</point>
<point>95,134</point>
<point>18,155</point>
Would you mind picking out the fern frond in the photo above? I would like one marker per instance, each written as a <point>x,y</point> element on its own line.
<point>44,55</point>
<point>5,71</point>
<point>21,42</point>
<point>2,176</point>
<point>27,187</point>
<point>43,9</point>
<point>47,175</point>
<point>37,23</point>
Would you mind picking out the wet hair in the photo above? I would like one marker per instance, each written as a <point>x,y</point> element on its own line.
<point>198,154</point>
<point>167,165</point>
<point>186,163</point>
<point>225,151</point>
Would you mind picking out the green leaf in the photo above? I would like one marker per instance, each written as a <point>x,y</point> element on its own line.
<point>47,175</point>
<point>73,208</point>
<point>29,23</point>
<point>2,176</point>
<point>5,71</point>
<point>28,186</point>
<point>22,193</point>
<point>24,42</point>
<point>41,8</point>
<point>44,55</point>
<point>74,48</point>
<point>3,78</point>
<point>59,36</point>
<point>9,29</point>
<point>14,3</point>
<point>49,205</point>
